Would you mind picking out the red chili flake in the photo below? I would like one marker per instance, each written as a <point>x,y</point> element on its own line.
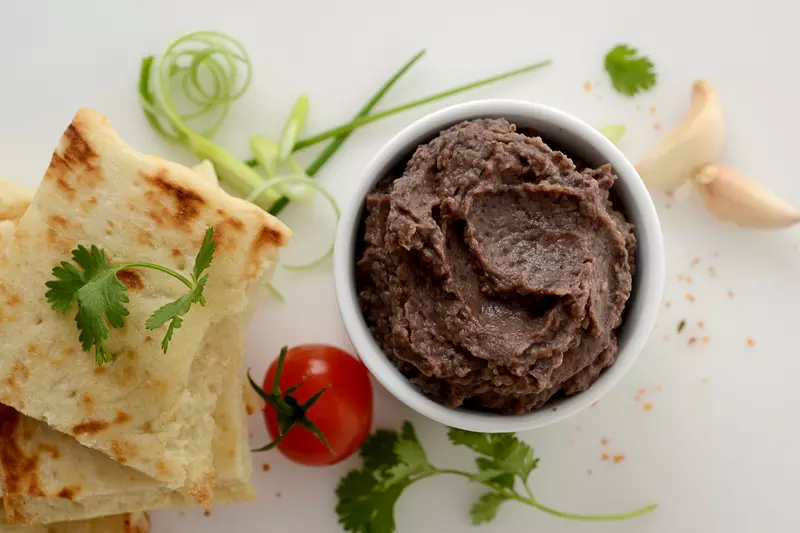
<point>666,337</point>
<point>705,340</point>
<point>690,297</point>
<point>656,126</point>
<point>206,513</point>
<point>278,494</point>
<point>688,279</point>
<point>695,261</point>
<point>648,407</point>
<point>604,441</point>
<point>652,109</point>
<point>679,277</point>
<point>265,467</point>
<point>605,457</point>
<point>701,324</point>
<point>692,340</point>
<point>618,459</point>
<point>587,86</point>
<point>659,388</point>
<point>594,403</point>
<point>750,341</point>
<point>730,294</point>
<point>712,271</point>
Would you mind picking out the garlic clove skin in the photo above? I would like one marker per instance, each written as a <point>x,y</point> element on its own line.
<point>695,142</point>
<point>731,197</point>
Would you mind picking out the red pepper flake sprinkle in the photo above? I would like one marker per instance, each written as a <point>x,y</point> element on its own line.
<point>207,513</point>
<point>666,337</point>
<point>652,109</point>
<point>692,340</point>
<point>688,279</point>
<point>656,126</point>
<point>695,261</point>
<point>278,494</point>
<point>730,294</point>
<point>690,297</point>
<point>605,457</point>
<point>712,271</point>
<point>705,340</point>
<point>701,324</point>
<point>679,277</point>
<point>618,459</point>
<point>604,441</point>
<point>659,388</point>
<point>587,86</point>
<point>265,467</point>
<point>750,341</point>
<point>594,403</point>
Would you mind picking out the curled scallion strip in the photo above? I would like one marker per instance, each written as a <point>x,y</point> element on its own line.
<point>305,182</point>
<point>213,71</point>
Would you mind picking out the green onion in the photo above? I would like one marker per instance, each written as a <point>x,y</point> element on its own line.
<point>292,128</point>
<point>613,133</point>
<point>305,182</point>
<point>334,146</point>
<point>206,66</point>
<point>266,151</point>
<point>274,292</point>
<point>361,121</point>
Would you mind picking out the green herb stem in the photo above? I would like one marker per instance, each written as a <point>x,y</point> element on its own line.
<point>533,502</point>
<point>160,268</point>
<point>320,161</point>
<point>358,122</point>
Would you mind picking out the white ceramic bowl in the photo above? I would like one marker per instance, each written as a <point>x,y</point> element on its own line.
<point>577,138</point>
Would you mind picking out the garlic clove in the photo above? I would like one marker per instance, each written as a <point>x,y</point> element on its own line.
<point>695,142</point>
<point>734,198</point>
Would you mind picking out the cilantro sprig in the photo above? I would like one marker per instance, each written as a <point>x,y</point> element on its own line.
<point>91,281</point>
<point>630,72</point>
<point>393,461</point>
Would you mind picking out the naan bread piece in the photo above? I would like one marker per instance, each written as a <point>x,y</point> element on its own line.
<point>231,450</point>
<point>50,477</point>
<point>143,409</point>
<point>14,199</point>
<point>124,523</point>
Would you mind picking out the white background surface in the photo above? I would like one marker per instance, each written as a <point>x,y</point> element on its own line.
<point>718,451</point>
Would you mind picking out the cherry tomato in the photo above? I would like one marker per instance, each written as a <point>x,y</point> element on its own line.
<point>343,413</point>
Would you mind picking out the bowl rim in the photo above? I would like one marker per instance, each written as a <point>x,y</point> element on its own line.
<point>650,271</point>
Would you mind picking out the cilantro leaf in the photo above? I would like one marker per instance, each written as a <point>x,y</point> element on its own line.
<point>377,452</point>
<point>173,311</point>
<point>205,255</point>
<point>364,506</point>
<point>630,73</point>
<point>101,298</point>
<point>505,455</point>
<point>411,458</point>
<point>485,509</point>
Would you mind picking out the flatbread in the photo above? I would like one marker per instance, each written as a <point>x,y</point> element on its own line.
<point>124,523</point>
<point>14,199</point>
<point>50,477</point>
<point>143,409</point>
<point>60,459</point>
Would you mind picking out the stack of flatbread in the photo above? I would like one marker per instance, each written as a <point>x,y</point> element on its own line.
<point>91,448</point>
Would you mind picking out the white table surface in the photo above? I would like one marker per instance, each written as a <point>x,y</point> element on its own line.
<point>719,449</point>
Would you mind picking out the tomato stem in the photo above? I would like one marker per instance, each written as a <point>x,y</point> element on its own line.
<point>288,411</point>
